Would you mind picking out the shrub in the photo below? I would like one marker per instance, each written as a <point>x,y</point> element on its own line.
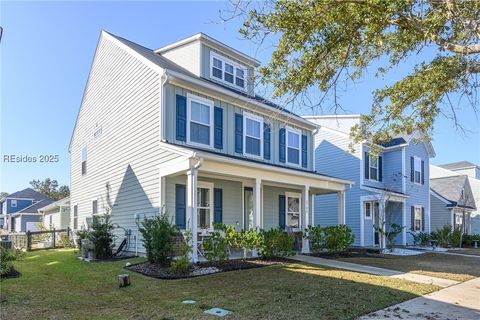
<point>6,258</point>
<point>392,234</point>
<point>442,236</point>
<point>249,240</point>
<point>158,239</point>
<point>182,262</point>
<point>276,243</point>
<point>217,247</point>
<point>469,238</point>
<point>102,237</point>
<point>338,238</point>
<point>420,238</point>
<point>316,237</point>
<point>456,238</point>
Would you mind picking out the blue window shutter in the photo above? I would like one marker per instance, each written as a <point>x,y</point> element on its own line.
<point>281,211</point>
<point>423,219</point>
<point>238,133</point>
<point>412,219</point>
<point>304,151</point>
<point>380,168</point>
<point>266,141</point>
<point>180,206</point>
<point>217,205</point>
<point>281,145</point>
<point>423,172</point>
<point>181,118</point>
<point>367,165</point>
<point>412,169</point>
<point>218,128</point>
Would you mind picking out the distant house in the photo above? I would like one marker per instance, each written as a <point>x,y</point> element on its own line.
<point>472,172</point>
<point>393,184</point>
<point>20,210</point>
<point>56,215</point>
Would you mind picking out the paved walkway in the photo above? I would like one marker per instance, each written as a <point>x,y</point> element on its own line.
<point>375,270</point>
<point>461,301</point>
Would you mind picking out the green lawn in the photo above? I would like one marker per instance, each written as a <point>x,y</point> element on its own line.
<point>460,268</point>
<point>56,285</point>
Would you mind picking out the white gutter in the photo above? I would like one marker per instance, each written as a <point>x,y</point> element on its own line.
<point>306,174</point>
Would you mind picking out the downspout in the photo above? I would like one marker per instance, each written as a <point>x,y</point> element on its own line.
<point>163,81</point>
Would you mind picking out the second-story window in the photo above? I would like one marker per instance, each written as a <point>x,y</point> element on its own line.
<point>84,161</point>
<point>293,147</point>
<point>200,120</point>
<point>418,170</point>
<point>253,135</point>
<point>373,163</point>
<point>14,203</point>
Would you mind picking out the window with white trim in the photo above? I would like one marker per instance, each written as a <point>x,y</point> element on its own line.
<point>75,217</point>
<point>417,219</point>
<point>13,203</point>
<point>253,138</point>
<point>373,167</point>
<point>94,207</point>
<point>371,209</point>
<point>200,121</point>
<point>227,71</point>
<point>293,146</point>
<point>458,221</point>
<point>205,205</point>
<point>368,210</point>
<point>417,170</point>
<point>292,215</point>
<point>84,161</point>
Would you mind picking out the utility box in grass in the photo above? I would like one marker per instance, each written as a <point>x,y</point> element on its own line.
<point>123,280</point>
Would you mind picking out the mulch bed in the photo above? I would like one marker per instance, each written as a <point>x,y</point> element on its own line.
<point>10,274</point>
<point>204,268</point>
<point>350,253</point>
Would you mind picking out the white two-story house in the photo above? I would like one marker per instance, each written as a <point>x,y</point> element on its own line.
<point>390,188</point>
<point>180,129</point>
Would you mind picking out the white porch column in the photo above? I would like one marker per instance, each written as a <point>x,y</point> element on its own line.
<point>192,211</point>
<point>341,207</point>
<point>383,221</point>
<point>305,217</point>
<point>257,203</point>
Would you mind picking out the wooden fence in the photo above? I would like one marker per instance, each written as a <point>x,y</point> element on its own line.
<point>40,240</point>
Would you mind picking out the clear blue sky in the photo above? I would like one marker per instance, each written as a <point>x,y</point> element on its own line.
<point>46,54</point>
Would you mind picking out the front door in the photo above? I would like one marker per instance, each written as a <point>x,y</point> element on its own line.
<point>376,224</point>
<point>248,208</point>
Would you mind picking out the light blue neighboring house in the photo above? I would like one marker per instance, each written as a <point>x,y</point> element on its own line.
<point>392,187</point>
<point>20,210</point>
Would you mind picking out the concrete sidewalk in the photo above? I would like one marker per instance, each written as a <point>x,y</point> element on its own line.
<point>461,301</point>
<point>375,270</point>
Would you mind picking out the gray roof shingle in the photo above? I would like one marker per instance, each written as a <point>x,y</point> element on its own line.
<point>459,165</point>
<point>34,207</point>
<point>29,193</point>
<point>450,188</point>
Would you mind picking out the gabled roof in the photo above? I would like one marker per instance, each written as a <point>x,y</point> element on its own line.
<point>459,165</point>
<point>394,142</point>
<point>157,60</point>
<point>65,202</point>
<point>28,193</point>
<point>450,189</point>
<point>37,205</point>
<point>202,37</point>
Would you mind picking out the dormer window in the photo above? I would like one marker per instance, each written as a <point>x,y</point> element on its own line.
<point>227,71</point>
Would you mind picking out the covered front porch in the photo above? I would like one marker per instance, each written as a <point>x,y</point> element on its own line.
<point>206,189</point>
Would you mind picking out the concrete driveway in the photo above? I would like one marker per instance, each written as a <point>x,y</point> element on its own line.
<point>461,301</point>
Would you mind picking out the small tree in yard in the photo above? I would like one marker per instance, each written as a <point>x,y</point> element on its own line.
<point>392,234</point>
<point>101,236</point>
<point>158,238</point>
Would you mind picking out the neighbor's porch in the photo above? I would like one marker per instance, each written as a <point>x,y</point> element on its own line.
<point>260,196</point>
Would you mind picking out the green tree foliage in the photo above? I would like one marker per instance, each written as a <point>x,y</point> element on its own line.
<point>321,44</point>
<point>50,188</point>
